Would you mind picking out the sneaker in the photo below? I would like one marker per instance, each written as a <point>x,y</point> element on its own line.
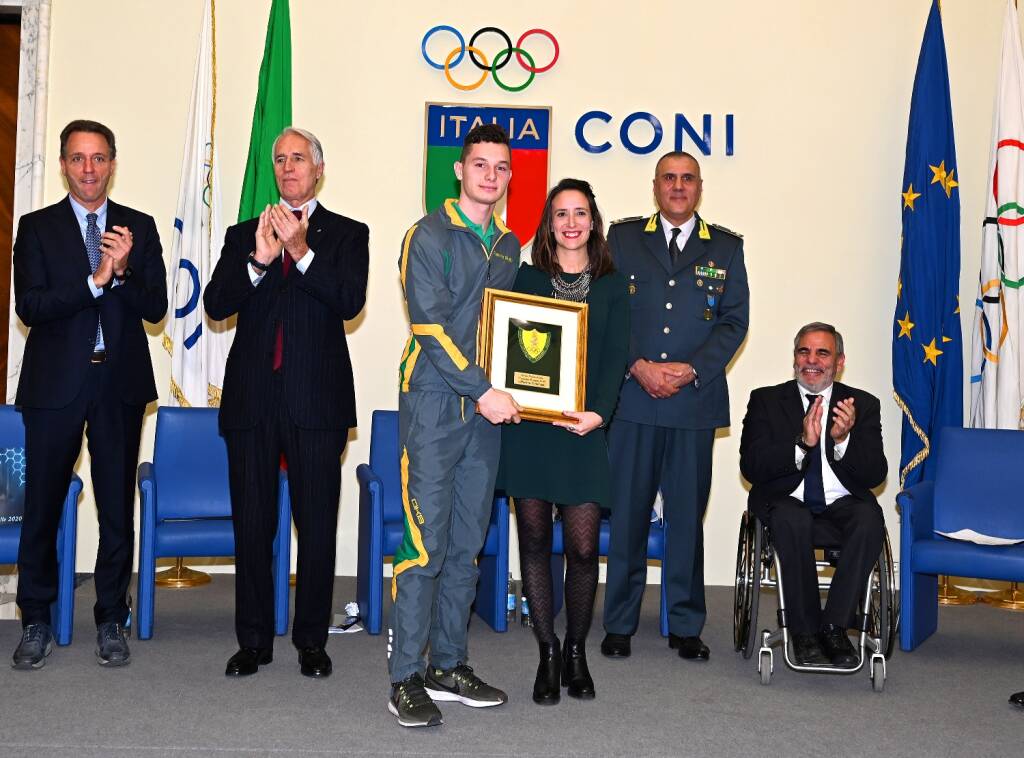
<point>462,685</point>
<point>111,645</point>
<point>36,643</point>
<point>411,704</point>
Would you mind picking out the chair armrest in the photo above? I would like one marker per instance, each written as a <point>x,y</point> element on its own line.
<point>366,475</point>
<point>917,510</point>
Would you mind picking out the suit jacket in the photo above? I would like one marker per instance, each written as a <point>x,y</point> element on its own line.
<point>317,371</point>
<point>53,299</point>
<point>678,314</point>
<point>768,446</point>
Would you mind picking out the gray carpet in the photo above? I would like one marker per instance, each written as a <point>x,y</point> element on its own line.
<point>946,698</point>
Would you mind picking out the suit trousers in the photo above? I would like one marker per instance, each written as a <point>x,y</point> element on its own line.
<point>313,458</point>
<point>449,464</point>
<point>645,459</point>
<point>53,441</point>
<point>791,523</point>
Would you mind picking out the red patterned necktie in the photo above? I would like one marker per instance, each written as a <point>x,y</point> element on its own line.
<point>286,267</point>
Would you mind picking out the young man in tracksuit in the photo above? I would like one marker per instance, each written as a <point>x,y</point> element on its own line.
<point>449,452</point>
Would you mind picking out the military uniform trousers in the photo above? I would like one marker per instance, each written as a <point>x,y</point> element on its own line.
<point>645,459</point>
<point>449,461</point>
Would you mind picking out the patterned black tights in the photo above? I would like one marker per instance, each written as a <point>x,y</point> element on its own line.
<point>581,525</point>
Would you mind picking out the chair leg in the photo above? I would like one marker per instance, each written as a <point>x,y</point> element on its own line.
<point>664,605</point>
<point>919,609</point>
<point>282,560</point>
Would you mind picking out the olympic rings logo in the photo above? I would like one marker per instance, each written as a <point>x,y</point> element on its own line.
<point>479,59</point>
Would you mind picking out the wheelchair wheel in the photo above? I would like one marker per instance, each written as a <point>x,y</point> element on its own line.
<point>884,612</point>
<point>747,589</point>
<point>766,668</point>
<point>877,676</point>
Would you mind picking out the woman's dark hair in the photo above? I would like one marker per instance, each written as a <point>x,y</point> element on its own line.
<point>545,256</point>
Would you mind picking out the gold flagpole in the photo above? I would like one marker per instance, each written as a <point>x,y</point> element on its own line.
<point>1009,600</point>
<point>950,595</point>
<point>181,577</point>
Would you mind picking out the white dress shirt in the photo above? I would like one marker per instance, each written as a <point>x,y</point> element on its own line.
<point>684,230</point>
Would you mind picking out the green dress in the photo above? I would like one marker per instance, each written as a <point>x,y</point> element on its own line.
<point>547,462</point>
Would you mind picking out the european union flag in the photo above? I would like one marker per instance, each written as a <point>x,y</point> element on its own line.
<point>927,350</point>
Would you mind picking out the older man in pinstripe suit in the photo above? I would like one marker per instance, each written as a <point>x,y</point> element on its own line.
<point>293,276</point>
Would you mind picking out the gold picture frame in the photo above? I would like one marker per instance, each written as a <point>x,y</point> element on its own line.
<point>535,348</point>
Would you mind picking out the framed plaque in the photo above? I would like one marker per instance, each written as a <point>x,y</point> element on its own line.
<point>535,348</point>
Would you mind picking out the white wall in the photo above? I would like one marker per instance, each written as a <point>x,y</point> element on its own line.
<point>820,92</point>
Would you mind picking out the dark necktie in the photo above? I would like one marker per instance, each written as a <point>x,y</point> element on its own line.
<point>673,245</point>
<point>92,247</point>
<point>814,486</point>
<point>286,267</point>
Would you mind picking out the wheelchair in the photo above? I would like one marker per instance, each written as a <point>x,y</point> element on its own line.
<point>758,566</point>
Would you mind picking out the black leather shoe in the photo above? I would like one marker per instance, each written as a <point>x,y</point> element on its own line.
<point>575,674</point>
<point>807,651</point>
<point>546,690</point>
<point>615,646</point>
<point>837,646</point>
<point>247,661</point>
<point>690,648</point>
<point>314,662</point>
<point>1017,699</point>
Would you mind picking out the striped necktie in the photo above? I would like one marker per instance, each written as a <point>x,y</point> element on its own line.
<point>92,247</point>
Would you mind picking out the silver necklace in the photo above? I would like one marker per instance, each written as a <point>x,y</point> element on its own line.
<point>576,291</point>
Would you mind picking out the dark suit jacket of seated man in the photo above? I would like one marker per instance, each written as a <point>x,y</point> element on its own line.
<point>773,461</point>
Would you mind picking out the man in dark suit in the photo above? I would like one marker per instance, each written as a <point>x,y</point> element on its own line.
<point>689,308</point>
<point>812,451</point>
<point>293,276</point>
<point>84,294</point>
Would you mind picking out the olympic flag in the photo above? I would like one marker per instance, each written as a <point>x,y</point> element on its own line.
<point>198,346</point>
<point>996,364</point>
<point>272,113</point>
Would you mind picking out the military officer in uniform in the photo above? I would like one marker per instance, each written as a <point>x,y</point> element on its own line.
<point>689,308</point>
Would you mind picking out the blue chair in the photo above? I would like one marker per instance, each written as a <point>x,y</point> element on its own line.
<point>62,611</point>
<point>185,507</point>
<point>381,526</point>
<point>978,484</point>
<point>655,551</point>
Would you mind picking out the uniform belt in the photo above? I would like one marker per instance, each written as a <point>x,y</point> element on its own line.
<point>98,356</point>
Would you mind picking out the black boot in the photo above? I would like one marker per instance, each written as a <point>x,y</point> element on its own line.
<point>575,674</point>
<point>545,687</point>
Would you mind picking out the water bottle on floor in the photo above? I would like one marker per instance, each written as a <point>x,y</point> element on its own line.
<point>525,619</point>
<point>510,607</point>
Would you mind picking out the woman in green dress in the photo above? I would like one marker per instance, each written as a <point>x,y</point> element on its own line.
<point>565,463</point>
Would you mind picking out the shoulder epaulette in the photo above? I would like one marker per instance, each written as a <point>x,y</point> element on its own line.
<point>627,219</point>
<point>721,228</point>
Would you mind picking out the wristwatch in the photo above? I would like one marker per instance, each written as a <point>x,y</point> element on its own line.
<point>256,264</point>
<point>124,277</point>
<point>803,445</point>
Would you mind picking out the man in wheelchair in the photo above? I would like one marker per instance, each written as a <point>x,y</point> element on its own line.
<point>812,450</point>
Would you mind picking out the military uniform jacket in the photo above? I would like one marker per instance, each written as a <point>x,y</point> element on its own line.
<point>444,268</point>
<point>695,311</point>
